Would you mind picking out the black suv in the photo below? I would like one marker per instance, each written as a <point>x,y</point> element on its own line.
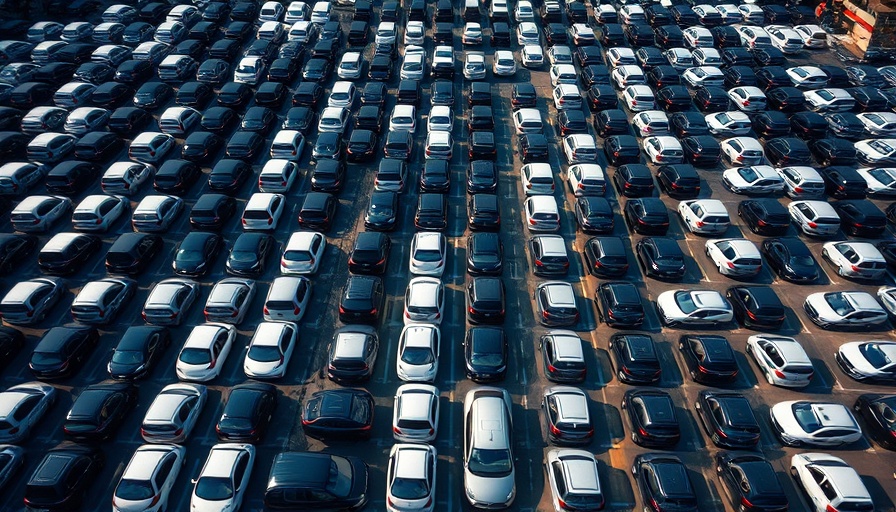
<point>619,305</point>
<point>709,358</point>
<point>749,478</point>
<point>605,257</point>
<point>843,182</point>
<point>485,300</point>
<point>728,419</point>
<point>432,212</point>
<point>766,217</point>
<point>634,358</point>
<point>63,477</point>
<point>861,218</point>
<point>362,299</point>
<point>212,211</point>
<point>646,216</point>
<point>485,254</point>
<point>611,121</point>
<point>663,479</point>
<point>634,180</point>
<point>652,418</point>
<point>702,151</point>
<point>680,181</point>
<point>485,354</point>
<point>370,254</point>
<point>660,257</point>
<point>132,252</point>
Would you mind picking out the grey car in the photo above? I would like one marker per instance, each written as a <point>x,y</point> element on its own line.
<point>22,407</point>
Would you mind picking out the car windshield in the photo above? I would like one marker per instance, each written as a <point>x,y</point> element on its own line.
<point>748,174</point>
<point>876,355</point>
<point>134,490</point>
<point>881,146</point>
<point>427,255</point>
<point>264,353</point>
<point>806,417</point>
<point>189,256</point>
<point>418,355</point>
<point>883,176</point>
<point>685,302</point>
<point>195,356</point>
<point>214,488</point>
<point>127,357</point>
<point>839,304</point>
<point>490,463</point>
<point>297,256</point>
<point>340,481</point>
<point>410,488</point>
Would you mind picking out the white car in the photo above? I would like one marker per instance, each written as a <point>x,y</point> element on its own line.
<point>755,179</point>
<point>532,56</point>
<point>802,423</point>
<point>270,350</point>
<point>781,359</point>
<point>627,75</point>
<point>98,212</point>
<point>632,13</point>
<point>807,77</point>
<point>263,210</point>
<point>472,33</point>
<point>579,148</point>
<point>414,33</point>
<point>748,98</point>
<point>786,39</point>
<point>424,301</point>
<point>412,478</point>
<point>704,216</point>
<point>250,70</point>
<point>830,483</point>
<point>860,260</point>
<point>148,478</point>
<point>638,98</point>
<point>813,36</point>
<point>876,151</point>
<point>881,181</point>
<point>86,119</point>
<point>342,95</point>
<point>527,33</point>
<point>815,218</point>
<point>403,118</point>
<point>205,351</point>
<point>698,37</point>
<point>173,413</point>
<point>620,56</point>
<point>386,33</point>
<point>303,253</point>
<point>703,76</point>
<point>126,178</point>
<point>707,57</point>
<point>334,119</point>
<point>474,66</point>
<point>35,214</point>
<point>663,149</point>
<point>564,74</point>
<point>801,181</point>
<point>415,413</point>
<point>413,67</point>
<point>730,14</point>
<point>224,478</point>
<point>441,119</point>
<point>742,151</point>
<point>542,214</point>
<point>873,361</point>
<point>679,58</point>
<point>169,301</point>
<point>735,257</point>
<point>560,55</point>
<point>489,477</point>
<point>586,180</point>
<point>504,63</point>
<point>524,11</point>
<point>878,124</point>
<point>693,307</point>
<point>428,254</point>
<point>753,37</point>
<point>844,309</point>
<point>418,352</point>
<point>229,300</point>
<point>537,178</point>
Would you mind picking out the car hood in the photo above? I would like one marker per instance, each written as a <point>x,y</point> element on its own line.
<point>783,415</point>
<point>852,353</point>
<point>489,490</point>
<point>822,307</point>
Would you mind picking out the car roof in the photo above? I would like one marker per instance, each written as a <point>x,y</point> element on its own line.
<point>221,460</point>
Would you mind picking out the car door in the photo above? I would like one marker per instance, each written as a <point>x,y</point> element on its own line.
<point>240,475</point>
<point>161,482</point>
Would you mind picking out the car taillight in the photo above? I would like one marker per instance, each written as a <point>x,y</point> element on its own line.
<point>730,265</point>
<point>266,311</point>
<point>830,508</point>
<point>99,221</point>
<point>798,190</point>
<point>538,263</point>
<point>532,222</point>
<point>720,433</point>
<point>780,374</point>
<point>855,268</point>
<point>213,363</point>
<point>243,221</point>
<point>471,310</point>
<point>555,431</point>
<point>812,225</point>
<point>700,223</point>
<point>270,220</point>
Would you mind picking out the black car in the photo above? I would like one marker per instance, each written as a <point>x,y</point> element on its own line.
<point>483,213</point>
<point>15,249</point>
<point>769,57</point>
<point>757,307</point>
<point>809,125</point>
<point>837,76</point>
<point>482,177</point>
<point>751,482</point>
<point>370,253</point>
<point>435,177</point>
<point>307,94</point>
<point>213,71</point>
<point>634,180</point>
<point>785,151</point>
<point>634,358</point>
<point>249,254</point>
<point>674,98</point>
<point>382,211</point>
<point>638,34</point>
<point>10,118</point>
<point>271,94</point>
<point>864,74</point>
<point>71,258</point>
<point>362,146</point>
<point>534,146</point>
<point>619,304</point>
<point>63,477</point>
<point>138,351</point>
<point>234,95</point>
<point>211,211</point>
<point>683,15</point>
<point>485,354</point>
<point>338,413</point>
<point>152,95</point>
<point>646,216</point>
<point>877,411</point>
<point>242,27</point>
<point>785,99</point>
<point>868,99</point>
<point>649,57</point>
<point>228,175</point>
<point>370,117</point>
<point>611,34</point>
<point>663,480</point>
<point>132,252</point>
<point>30,94</point>
<point>219,120</point>
<point>711,99</point>
<point>568,121</point>
<point>485,300</point>
<point>702,151</point>
<point>766,217</point>
<point>662,76</point>
<point>770,77</point>
<point>725,36</point>
<point>687,124</point>
<point>657,15</point>
<point>432,212</point>
<point>247,413</point>
<point>576,12</point>
<point>595,74</point>
<point>258,119</point>
<point>196,252</point>
<point>709,358</point>
<point>380,68</point>
<point>660,258</point>
<point>94,73</point>
<point>362,299</point>
<point>225,49</point>
<point>99,410</point>
<point>622,149</point>
<point>605,257</point>
<point>244,144</point>
<point>728,419</point>
<point>668,36</point>
<point>298,481</point>
<point>199,147</point>
<point>318,211</point>
<point>133,72</point>
<point>771,124</point>
<point>790,259</point>
<point>62,351</point>
<point>522,95</point>
<point>680,181</point>
<point>651,416</point>
<point>442,93</point>
<point>594,215</point>
<point>555,33</point>
<point>842,182</point>
<point>861,218</point>
<point>485,254</point>
<point>318,69</point>
<point>97,146</point>
<point>587,56</point>
<point>399,145</point>
<point>482,146</point>
<point>479,93</point>
<point>846,126</point>
<point>300,119</point>
<point>328,175</point>
<point>739,76</point>
<point>828,152</point>
<point>611,121</point>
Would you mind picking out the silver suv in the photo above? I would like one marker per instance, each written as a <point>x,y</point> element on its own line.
<point>488,448</point>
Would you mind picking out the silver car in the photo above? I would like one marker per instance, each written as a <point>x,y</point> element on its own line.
<point>172,415</point>
<point>488,448</point>
<point>99,301</point>
<point>21,407</point>
<point>28,302</point>
<point>229,300</point>
<point>169,300</point>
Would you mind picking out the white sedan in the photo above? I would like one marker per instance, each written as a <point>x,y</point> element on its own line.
<point>693,307</point>
<point>424,301</point>
<point>418,353</point>
<point>868,360</point>
<point>729,124</point>
<point>270,350</point>
<point>735,257</point>
<point>844,309</point>
<point>224,478</point>
<point>703,76</point>
<point>830,482</point>
<point>880,181</point>
<point>781,359</point>
<point>504,63</point>
<point>756,179</point>
<point>876,151</point>
<point>441,119</point>
<point>412,477</point>
<point>413,67</point>
<point>801,423</point>
<point>205,351</point>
